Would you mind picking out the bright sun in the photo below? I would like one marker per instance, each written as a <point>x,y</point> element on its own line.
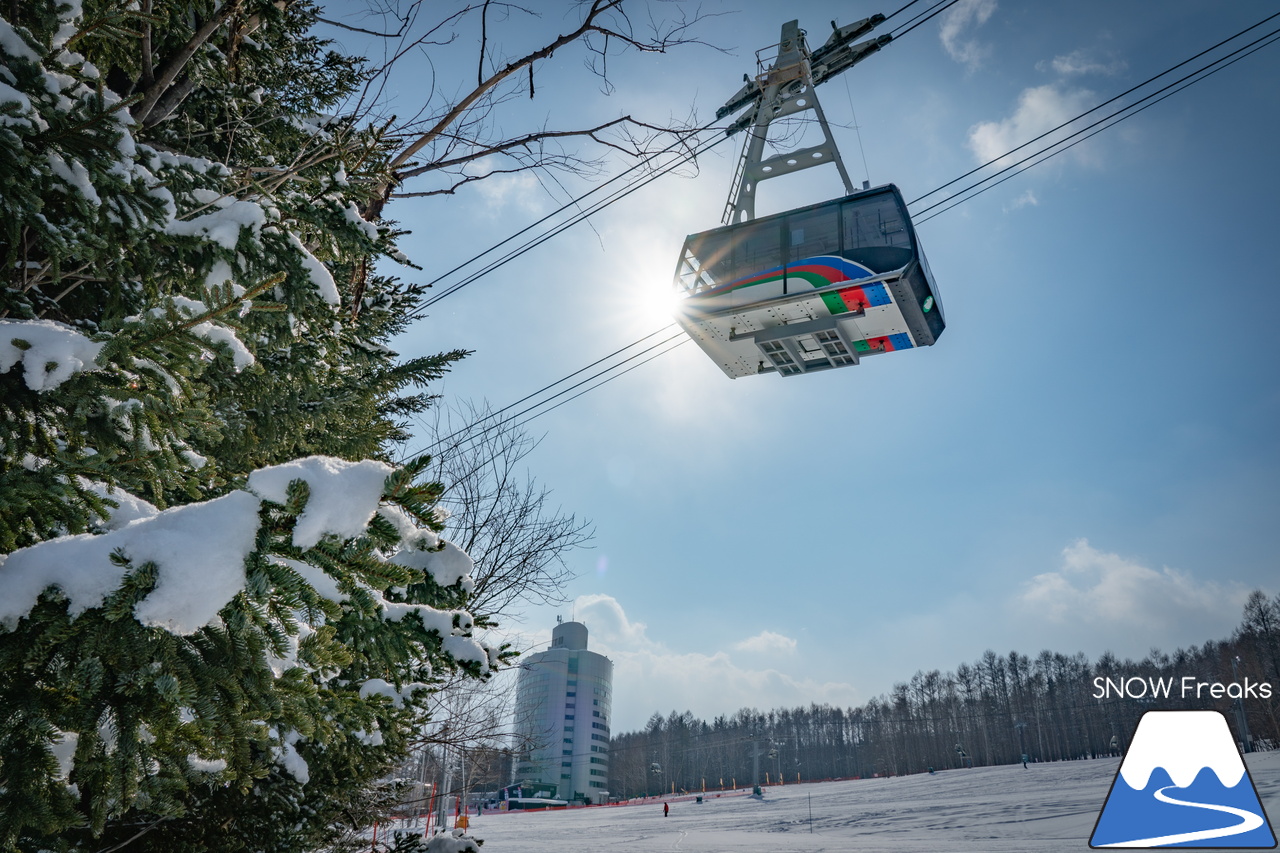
<point>650,297</point>
<point>655,302</point>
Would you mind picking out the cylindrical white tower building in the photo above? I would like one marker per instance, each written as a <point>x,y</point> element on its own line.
<point>562,717</point>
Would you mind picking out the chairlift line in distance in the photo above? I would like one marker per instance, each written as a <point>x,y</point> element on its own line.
<point>817,287</point>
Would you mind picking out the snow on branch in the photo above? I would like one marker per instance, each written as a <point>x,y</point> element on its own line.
<point>199,551</point>
<point>50,352</point>
<point>197,316</point>
<point>344,495</point>
<point>223,224</point>
<point>448,565</point>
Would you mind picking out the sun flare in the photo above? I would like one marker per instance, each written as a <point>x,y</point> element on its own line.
<point>648,295</point>
<point>656,301</point>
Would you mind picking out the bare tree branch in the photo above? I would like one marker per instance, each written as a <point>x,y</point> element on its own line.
<point>404,23</point>
<point>484,36</point>
<point>173,67</point>
<point>487,85</point>
<point>148,68</point>
<point>500,515</point>
<point>458,134</point>
<point>456,185</point>
<point>529,139</point>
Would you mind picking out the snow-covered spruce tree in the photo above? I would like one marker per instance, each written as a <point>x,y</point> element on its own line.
<point>203,644</point>
<point>215,670</point>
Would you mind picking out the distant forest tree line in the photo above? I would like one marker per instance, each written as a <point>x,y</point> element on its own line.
<point>988,712</point>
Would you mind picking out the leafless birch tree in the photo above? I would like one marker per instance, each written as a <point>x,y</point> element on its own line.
<point>453,138</point>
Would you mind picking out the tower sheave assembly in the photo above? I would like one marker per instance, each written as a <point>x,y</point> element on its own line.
<point>820,286</point>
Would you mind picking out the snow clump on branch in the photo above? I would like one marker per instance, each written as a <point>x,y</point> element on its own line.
<point>199,551</point>
<point>344,495</point>
<point>50,352</point>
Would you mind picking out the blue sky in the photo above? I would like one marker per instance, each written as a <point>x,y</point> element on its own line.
<point>1085,461</point>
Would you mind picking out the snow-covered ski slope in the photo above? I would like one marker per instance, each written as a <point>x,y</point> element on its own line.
<point>1044,809</point>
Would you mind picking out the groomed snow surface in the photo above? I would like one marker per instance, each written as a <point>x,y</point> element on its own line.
<point>1044,809</point>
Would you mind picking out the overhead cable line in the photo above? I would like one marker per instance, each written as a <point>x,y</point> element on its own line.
<point>509,424</point>
<point>697,149</point>
<point>900,10</point>
<point>1128,91</point>
<point>467,429</point>
<point>1273,38</point>
<point>1168,91</point>
<point>1101,124</point>
<point>680,340</point>
<point>561,209</point>
<point>463,442</point>
<point>583,214</point>
<point>936,9</point>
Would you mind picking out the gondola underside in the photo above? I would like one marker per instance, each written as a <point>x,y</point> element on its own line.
<point>814,314</point>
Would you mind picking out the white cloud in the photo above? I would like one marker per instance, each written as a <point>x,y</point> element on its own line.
<point>521,191</point>
<point>709,685</point>
<point>650,676</point>
<point>766,642</point>
<point>608,624</point>
<point>1098,589</point>
<point>1027,198</point>
<point>956,21</point>
<point>1039,110</point>
<point>1083,62</point>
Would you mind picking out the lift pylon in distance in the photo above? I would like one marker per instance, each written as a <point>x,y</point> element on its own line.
<point>817,287</point>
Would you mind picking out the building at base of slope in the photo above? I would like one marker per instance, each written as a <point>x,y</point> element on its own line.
<point>563,700</point>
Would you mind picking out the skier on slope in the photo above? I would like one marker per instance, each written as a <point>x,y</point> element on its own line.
<point>666,809</point>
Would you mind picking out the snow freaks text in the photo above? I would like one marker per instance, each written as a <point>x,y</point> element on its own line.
<point>1187,687</point>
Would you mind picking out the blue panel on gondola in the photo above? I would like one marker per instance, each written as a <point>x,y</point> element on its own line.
<point>876,294</point>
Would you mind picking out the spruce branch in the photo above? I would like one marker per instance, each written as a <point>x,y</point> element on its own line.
<point>186,324</point>
<point>171,69</point>
<point>108,26</point>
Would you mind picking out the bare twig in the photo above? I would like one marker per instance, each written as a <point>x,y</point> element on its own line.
<point>502,517</point>
<point>456,133</point>
<point>134,837</point>
<point>529,139</point>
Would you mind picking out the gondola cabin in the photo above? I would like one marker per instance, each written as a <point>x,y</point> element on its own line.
<point>811,289</point>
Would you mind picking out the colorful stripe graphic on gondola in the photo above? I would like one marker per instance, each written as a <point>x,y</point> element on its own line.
<point>856,298</point>
<point>820,271</point>
<point>884,343</point>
